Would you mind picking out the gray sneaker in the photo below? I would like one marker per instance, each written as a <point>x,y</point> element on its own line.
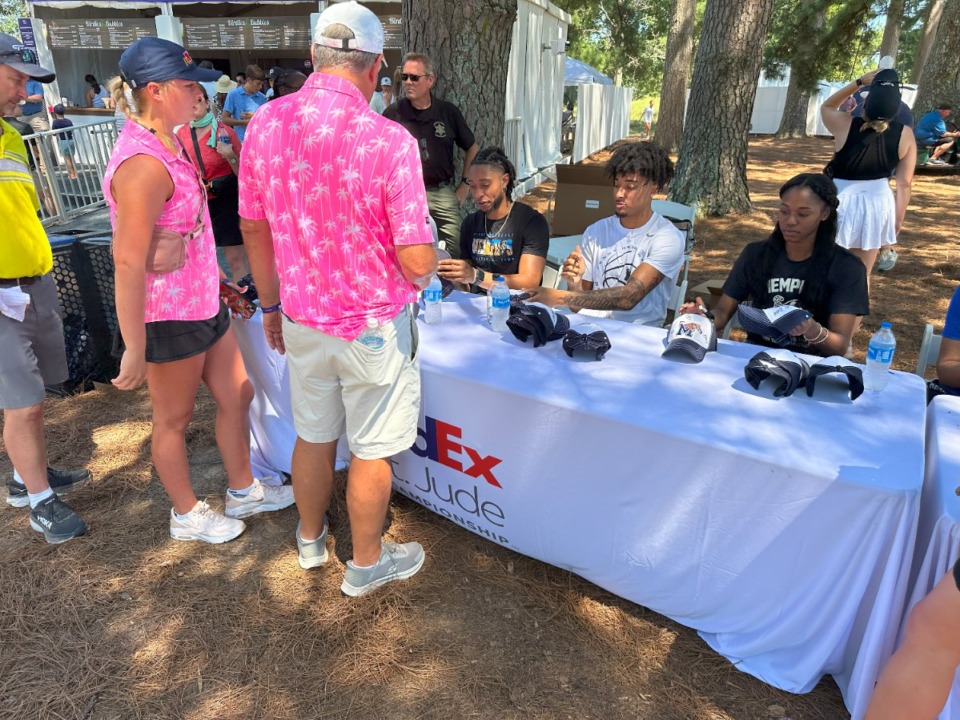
<point>56,520</point>
<point>397,562</point>
<point>314,553</point>
<point>886,260</point>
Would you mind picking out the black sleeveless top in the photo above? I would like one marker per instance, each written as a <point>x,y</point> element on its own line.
<point>867,154</point>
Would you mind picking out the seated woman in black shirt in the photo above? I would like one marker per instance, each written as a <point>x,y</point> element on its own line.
<point>504,237</point>
<point>800,264</point>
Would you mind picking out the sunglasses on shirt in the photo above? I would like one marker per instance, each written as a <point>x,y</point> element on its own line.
<point>411,77</point>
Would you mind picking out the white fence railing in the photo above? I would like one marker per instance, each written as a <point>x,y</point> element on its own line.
<point>68,167</point>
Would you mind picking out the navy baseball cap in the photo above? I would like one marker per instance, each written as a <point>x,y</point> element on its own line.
<point>789,370</point>
<point>22,59</point>
<point>153,59</point>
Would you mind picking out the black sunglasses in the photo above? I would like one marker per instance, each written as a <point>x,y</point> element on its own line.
<point>22,54</point>
<point>411,77</point>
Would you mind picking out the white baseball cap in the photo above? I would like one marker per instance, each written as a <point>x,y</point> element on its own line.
<point>366,27</point>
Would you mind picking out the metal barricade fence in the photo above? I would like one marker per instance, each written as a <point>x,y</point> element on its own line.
<point>63,196</point>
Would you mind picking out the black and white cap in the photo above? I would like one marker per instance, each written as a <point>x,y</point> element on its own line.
<point>835,364</point>
<point>790,370</point>
<point>690,336</point>
<point>536,321</point>
<point>587,341</point>
<point>446,285</point>
<point>774,323</point>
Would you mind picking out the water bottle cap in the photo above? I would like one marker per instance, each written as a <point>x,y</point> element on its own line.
<point>886,325</point>
<point>498,278</point>
<point>371,322</point>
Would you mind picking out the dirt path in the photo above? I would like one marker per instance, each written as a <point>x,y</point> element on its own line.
<point>128,624</point>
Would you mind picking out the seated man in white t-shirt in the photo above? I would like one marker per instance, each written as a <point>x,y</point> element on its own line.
<point>629,261</point>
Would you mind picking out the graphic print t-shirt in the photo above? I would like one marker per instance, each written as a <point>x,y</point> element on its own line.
<point>846,291</point>
<point>496,247</point>
<point>612,253</point>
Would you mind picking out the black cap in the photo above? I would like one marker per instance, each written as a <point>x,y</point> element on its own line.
<point>586,341</point>
<point>773,323</point>
<point>154,59</point>
<point>15,54</point>
<point>791,370</point>
<point>537,321</point>
<point>853,374</point>
<point>883,96</point>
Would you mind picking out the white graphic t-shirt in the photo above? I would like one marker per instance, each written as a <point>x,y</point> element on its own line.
<point>612,253</point>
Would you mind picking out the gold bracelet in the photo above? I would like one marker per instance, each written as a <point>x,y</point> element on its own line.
<point>826,334</point>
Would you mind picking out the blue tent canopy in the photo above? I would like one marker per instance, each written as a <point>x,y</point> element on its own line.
<point>579,73</point>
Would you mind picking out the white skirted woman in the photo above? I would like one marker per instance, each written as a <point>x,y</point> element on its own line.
<point>869,149</point>
<point>175,332</point>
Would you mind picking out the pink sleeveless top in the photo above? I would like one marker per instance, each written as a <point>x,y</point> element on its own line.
<point>193,291</point>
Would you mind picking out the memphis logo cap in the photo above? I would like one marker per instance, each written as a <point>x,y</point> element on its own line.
<point>690,336</point>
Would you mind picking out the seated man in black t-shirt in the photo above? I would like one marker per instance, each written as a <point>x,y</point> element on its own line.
<point>800,264</point>
<point>505,237</point>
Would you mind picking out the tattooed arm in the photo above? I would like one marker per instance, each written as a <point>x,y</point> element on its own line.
<point>623,297</point>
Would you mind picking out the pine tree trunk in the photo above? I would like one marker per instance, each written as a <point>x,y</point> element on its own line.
<point>676,70</point>
<point>891,31</point>
<point>469,44</point>
<point>930,26</point>
<point>712,169</point>
<point>793,122</point>
<point>940,79</point>
<point>804,76</point>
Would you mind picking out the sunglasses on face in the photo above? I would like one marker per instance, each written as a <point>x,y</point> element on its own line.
<point>411,77</point>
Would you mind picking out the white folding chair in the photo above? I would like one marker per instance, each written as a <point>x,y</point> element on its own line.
<point>929,349</point>
<point>683,216</point>
<point>677,297</point>
<point>551,276</point>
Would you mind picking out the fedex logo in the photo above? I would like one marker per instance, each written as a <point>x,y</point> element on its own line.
<point>441,443</point>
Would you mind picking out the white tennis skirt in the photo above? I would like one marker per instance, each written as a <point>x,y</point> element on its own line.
<point>867,214</point>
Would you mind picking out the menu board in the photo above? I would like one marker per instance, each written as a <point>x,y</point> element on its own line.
<point>270,33</point>
<point>392,31</point>
<point>98,34</point>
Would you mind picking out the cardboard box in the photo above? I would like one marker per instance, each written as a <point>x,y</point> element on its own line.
<point>584,195</point>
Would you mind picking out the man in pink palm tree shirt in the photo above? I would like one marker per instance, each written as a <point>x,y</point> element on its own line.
<point>335,220</point>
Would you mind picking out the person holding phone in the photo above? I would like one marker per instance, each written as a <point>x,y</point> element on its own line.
<point>174,331</point>
<point>214,149</point>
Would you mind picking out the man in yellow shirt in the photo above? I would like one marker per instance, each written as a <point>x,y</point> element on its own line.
<point>32,352</point>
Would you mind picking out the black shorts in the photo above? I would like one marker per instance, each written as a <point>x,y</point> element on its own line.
<point>172,340</point>
<point>225,219</point>
<point>956,573</point>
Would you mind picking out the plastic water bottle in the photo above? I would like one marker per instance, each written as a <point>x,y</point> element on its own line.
<point>879,358</point>
<point>432,297</point>
<point>499,304</point>
<point>372,337</point>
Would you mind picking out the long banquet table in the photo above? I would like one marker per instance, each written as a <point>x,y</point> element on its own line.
<point>938,534</point>
<point>782,529</point>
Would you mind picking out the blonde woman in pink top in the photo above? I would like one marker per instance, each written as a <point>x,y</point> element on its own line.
<point>174,331</point>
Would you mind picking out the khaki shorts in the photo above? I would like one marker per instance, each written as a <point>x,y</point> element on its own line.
<point>32,352</point>
<point>338,386</point>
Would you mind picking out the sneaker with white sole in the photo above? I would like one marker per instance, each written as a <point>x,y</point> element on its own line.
<point>261,498</point>
<point>204,523</point>
<point>935,161</point>
<point>61,482</point>
<point>56,520</point>
<point>313,553</point>
<point>397,562</point>
<point>886,260</point>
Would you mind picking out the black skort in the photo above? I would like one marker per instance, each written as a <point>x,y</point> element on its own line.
<point>172,340</point>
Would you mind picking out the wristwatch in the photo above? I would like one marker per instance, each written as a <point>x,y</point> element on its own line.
<point>859,82</point>
<point>475,285</point>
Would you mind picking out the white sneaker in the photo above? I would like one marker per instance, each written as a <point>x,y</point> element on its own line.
<point>203,523</point>
<point>886,260</point>
<point>397,562</point>
<point>314,553</point>
<point>261,498</point>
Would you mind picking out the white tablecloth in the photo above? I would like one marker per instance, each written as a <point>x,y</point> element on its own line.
<point>781,529</point>
<point>938,535</point>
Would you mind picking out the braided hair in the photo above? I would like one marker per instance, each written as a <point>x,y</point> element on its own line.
<point>646,159</point>
<point>824,248</point>
<point>497,158</point>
